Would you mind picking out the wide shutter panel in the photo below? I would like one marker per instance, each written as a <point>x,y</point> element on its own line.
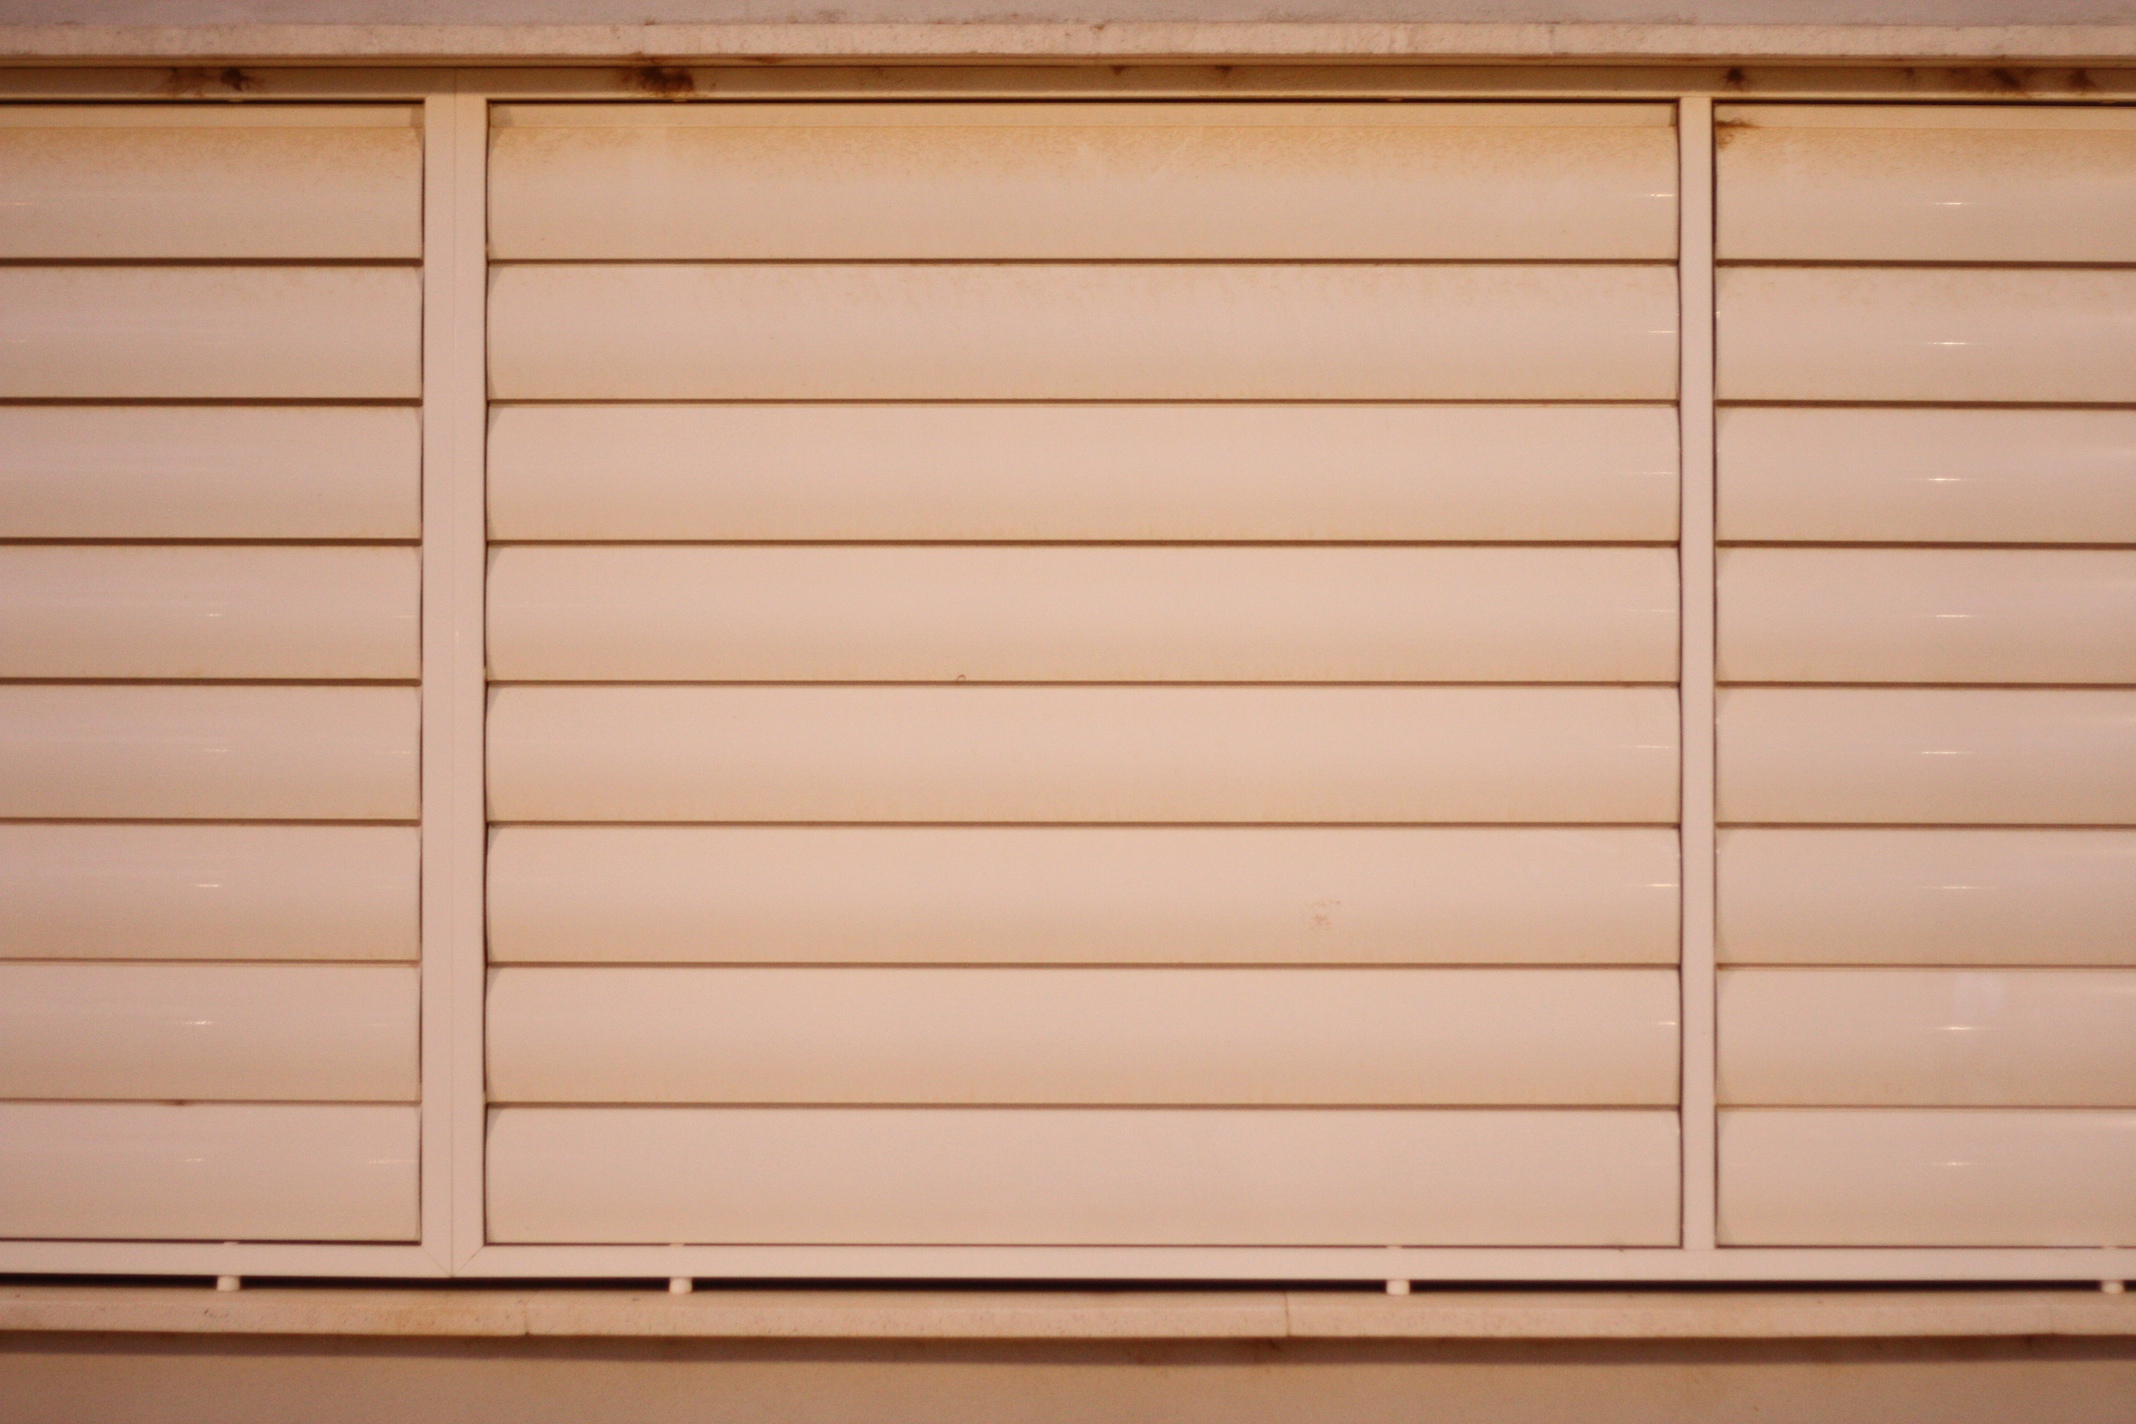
<point>1928,747</point>
<point>1083,674</point>
<point>208,622</point>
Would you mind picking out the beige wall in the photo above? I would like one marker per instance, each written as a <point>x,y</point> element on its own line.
<point>68,1379</point>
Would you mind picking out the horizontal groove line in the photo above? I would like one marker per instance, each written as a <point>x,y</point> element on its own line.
<point>653,1258</point>
<point>1658,264</point>
<point>234,542</point>
<point>1276,544</point>
<point>1725,403</point>
<point>1915,264</point>
<point>355,684</point>
<point>1262,683</point>
<point>213,264</point>
<point>1926,825</point>
<point>202,821</point>
<point>746,402</point>
<point>403,1246</point>
<point>1934,546</point>
<point>1865,686</point>
<point>1196,76</point>
<point>1094,825</point>
<point>1044,966</point>
<point>213,402</point>
<point>1655,403</point>
<point>1196,72</point>
<point>1919,1106</point>
<point>1916,1108</point>
<point>137,962</point>
<point>1879,966</point>
<point>836,1106</point>
<point>2000,966</point>
<point>170,1102</point>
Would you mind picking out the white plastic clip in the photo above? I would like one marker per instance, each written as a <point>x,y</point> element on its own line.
<point>1398,1288</point>
<point>681,1285</point>
<point>229,1283</point>
<point>2113,1287</point>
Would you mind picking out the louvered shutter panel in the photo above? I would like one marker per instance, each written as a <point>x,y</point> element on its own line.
<point>1076,674</point>
<point>209,590</point>
<point>1927,628</point>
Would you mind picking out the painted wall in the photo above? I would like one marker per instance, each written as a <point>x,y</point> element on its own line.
<point>181,1379</point>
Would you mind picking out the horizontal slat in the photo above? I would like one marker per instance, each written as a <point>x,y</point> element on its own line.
<point>195,611</point>
<point>1382,1037</point>
<point>1083,181</point>
<point>680,613</point>
<point>129,182</point>
<point>1082,754</point>
<point>76,752</point>
<point>1926,334</point>
<point>1927,1177</point>
<point>1958,757</point>
<point>1119,895</point>
<point>229,333</point>
<point>1102,331</point>
<point>1928,476</point>
<point>1927,897</point>
<point>208,1172</point>
<point>1927,615</point>
<point>1115,472</point>
<point>1082,1176</point>
<point>208,892</point>
<point>1950,184</point>
<point>252,1032</point>
<point>210,472</point>
<point>1928,1037</point>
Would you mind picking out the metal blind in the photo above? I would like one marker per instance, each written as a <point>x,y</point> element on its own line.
<point>1927,1029</point>
<point>1083,675</point>
<point>209,336</point>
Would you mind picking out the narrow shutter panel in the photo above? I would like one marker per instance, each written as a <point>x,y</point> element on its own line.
<point>1927,746</point>
<point>208,627</point>
<point>1083,674</point>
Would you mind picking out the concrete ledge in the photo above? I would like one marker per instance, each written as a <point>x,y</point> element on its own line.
<point>1048,1315</point>
<point>1140,40</point>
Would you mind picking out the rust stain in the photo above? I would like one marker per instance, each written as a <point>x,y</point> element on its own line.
<point>661,82</point>
<point>1735,79</point>
<point>2081,82</point>
<point>1725,130</point>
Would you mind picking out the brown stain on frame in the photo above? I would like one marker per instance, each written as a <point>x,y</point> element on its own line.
<point>661,81</point>
<point>208,83</point>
